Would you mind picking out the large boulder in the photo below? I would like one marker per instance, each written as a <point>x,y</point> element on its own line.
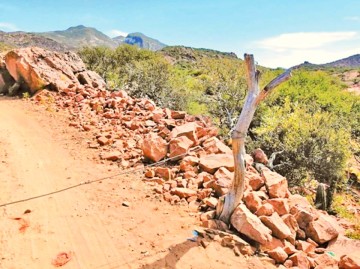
<point>36,68</point>
<point>321,230</point>
<point>248,224</point>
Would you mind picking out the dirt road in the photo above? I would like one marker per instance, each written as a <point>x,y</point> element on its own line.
<point>39,153</point>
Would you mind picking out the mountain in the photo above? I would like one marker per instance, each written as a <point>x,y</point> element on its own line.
<point>349,62</point>
<point>352,62</point>
<point>80,36</point>
<point>23,39</point>
<point>76,37</point>
<point>141,41</point>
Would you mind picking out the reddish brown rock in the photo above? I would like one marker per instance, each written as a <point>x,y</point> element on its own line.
<point>163,172</point>
<point>211,202</point>
<point>154,147</point>
<point>276,225</point>
<point>291,222</point>
<point>300,260</point>
<point>278,254</point>
<point>179,146</point>
<point>214,145</point>
<point>265,210</point>
<point>325,261</point>
<point>211,163</point>
<point>305,246</point>
<point>102,140</point>
<point>275,184</point>
<point>302,215</point>
<point>350,261</point>
<point>188,130</point>
<point>252,201</point>
<point>178,115</point>
<point>248,224</point>
<point>37,68</point>
<point>189,163</point>
<point>183,192</point>
<point>281,205</point>
<point>272,244</point>
<point>321,231</point>
<point>203,193</point>
<point>112,155</point>
<point>289,248</point>
<point>259,156</point>
<point>254,179</point>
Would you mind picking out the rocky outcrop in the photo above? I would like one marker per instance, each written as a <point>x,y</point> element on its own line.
<point>34,69</point>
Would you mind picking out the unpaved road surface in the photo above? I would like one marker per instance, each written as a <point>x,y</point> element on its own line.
<point>39,154</point>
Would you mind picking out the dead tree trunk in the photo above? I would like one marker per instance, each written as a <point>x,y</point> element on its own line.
<point>232,199</point>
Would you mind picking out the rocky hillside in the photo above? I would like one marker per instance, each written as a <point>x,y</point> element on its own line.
<point>132,132</point>
<point>23,39</point>
<point>350,62</point>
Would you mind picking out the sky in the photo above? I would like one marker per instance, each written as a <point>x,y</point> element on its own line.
<point>280,33</point>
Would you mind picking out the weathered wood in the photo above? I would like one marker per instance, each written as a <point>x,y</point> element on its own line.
<point>232,199</point>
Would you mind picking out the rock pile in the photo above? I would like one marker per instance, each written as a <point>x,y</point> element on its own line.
<point>130,131</point>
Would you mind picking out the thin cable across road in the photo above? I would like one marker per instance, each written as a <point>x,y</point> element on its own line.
<point>99,179</point>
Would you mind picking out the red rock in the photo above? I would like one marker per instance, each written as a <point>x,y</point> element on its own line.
<point>189,163</point>
<point>349,261</point>
<point>157,116</point>
<point>211,202</point>
<point>272,244</point>
<point>305,246</point>
<point>291,222</point>
<point>321,231</point>
<point>163,172</point>
<point>211,163</point>
<point>252,201</point>
<point>248,224</point>
<point>179,146</point>
<point>259,156</point>
<point>300,260</point>
<point>183,192</point>
<point>154,147</point>
<point>288,263</point>
<point>178,115</point>
<point>112,155</point>
<point>275,184</point>
<point>255,180</point>
<point>265,210</point>
<point>214,145</point>
<point>38,68</point>
<point>102,140</point>
<point>203,193</point>
<point>289,248</point>
<point>302,216</point>
<point>276,225</point>
<point>188,130</point>
<point>325,261</point>
<point>298,200</point>
<point>208,215</point>
<point>280,205</point>
<point>278,254</point>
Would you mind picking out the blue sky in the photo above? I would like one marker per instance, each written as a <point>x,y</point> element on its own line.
<point>280,33</point>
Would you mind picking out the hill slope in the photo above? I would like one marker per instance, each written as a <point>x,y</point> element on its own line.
<point>80,36</point>
<point>141,41</point>
<point>23,39</point>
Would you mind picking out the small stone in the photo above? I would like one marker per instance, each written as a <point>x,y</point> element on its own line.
<point>126,204</point>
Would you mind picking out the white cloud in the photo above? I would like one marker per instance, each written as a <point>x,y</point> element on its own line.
<point>352,18</point>
<point>291,49</point>
<point>114,33</point>
<point>305,40</point>
<point>7,26</point>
